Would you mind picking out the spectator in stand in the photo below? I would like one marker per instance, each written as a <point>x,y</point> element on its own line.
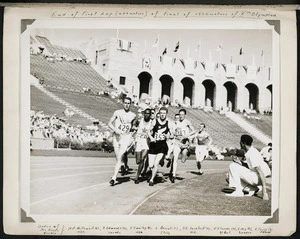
<point>266,153</point>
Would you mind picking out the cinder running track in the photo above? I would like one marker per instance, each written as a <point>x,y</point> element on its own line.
<point>79,185</point>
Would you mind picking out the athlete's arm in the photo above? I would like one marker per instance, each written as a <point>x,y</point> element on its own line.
<point>210,141</point>
<point>193,134</point>
<point>191,128</point>
<point>149,132</point>
<point>135,124</point>
<point>111,126</point>
<point>263,182</point>
<point>172,129</point>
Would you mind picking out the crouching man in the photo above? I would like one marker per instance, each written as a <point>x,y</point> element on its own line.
<point>252,175</point>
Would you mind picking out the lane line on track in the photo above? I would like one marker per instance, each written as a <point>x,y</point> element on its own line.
<point>84,163</point>
<point>70,175</point>
<point>100,172</point>
<point>42,169</point>
<point>62,194</point>
<point>147,198</point>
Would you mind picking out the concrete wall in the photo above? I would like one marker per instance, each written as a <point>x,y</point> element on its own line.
<point>113,63</point>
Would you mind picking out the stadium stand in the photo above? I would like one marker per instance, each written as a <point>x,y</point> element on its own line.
<point>42,102</point>
<point>67,75</point>
<point>225,132</point>
<point>262,122</point>
<point>68,81</point>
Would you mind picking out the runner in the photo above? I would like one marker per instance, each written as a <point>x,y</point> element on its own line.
<point>170,142</point>
<point>203,143</point>
<point>146,173</point>
<point>141,146</point>
<point>182,130</point>
<point>158,146</point>
<point>121,123</point>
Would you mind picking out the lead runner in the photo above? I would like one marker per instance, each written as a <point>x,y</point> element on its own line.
<point>158,147</point>
<point>121,124</point>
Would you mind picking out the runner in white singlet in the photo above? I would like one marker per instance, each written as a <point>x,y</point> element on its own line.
<point>121,123</point>
<point>181,131</point>
<point>203,143</point>
<point>141,142</point>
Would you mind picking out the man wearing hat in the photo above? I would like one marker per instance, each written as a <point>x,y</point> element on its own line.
<point>253,175</point>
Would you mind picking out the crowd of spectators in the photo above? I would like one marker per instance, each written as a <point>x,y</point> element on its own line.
<point>54,127</point>
<point>55,57</point>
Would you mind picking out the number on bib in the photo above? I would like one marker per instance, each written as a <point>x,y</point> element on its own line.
<point>158,136</point>
<point>124,128</point>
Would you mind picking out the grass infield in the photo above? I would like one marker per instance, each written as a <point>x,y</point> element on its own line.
<point>206,199</point>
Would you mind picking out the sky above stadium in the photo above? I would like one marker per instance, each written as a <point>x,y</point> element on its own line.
<point>203,44</point>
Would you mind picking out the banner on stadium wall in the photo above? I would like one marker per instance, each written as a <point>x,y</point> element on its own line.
<point>189,66</point>
<point>124,45</point>
<point>146,63</point>
<point>230,70</point>
<point>167,63</point>
<point>251,72</point>
<point>209,69</point>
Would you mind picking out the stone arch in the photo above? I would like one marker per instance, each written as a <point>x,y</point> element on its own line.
<point>210,92</point>
<point>231,98</point>
<point>253,96</point>
<point>188,90</point>
<point>167,83</point>
<point>270,88</point>
<point>145,80</point>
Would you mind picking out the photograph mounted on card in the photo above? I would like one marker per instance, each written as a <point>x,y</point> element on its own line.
<point>135,124</point>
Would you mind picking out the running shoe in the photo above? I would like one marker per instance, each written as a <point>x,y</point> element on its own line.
<point>123,170</point>
<point>169,162</point>
<point>112,182</point>
<point>162,162</point>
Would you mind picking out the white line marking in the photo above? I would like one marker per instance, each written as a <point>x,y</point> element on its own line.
<point>42,169</point>
<point>62,194</point>
<point>146,199</point>
<point>84,163</point>
<point>70,175</point>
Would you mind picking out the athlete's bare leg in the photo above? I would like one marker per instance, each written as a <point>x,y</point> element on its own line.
<point>140,158</point>
<point>157,158</point>
<point>176,152</point>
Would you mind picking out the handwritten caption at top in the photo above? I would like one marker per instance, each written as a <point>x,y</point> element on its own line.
<point>161,14</point>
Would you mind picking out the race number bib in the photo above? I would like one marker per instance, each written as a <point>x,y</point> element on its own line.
<point>141,136</point>
<point>179,132</point>
<point>158,136</point>
<point>125,128</point>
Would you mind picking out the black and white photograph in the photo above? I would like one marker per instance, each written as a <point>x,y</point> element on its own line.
<point>161,121</point>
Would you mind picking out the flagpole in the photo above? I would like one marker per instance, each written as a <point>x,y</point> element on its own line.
<point>157,48</point>
<point>179,53</point>
<point>188,53</point>
<point>199,50</point>
<point>263,58</point>
<point>242,56</point>
<point>221,52</point>
<point>145,47</point>
<point>117,34</point>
